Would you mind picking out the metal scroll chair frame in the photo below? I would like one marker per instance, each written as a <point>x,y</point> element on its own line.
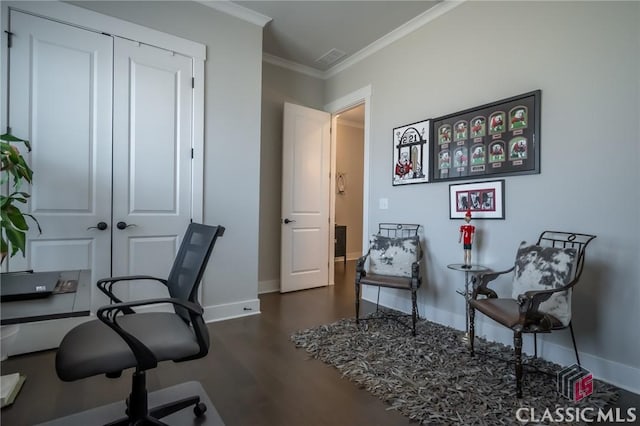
<point>530,319</point>
<point>393,230</point>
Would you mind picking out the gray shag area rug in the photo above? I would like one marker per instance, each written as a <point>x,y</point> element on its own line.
<point>432,379</point>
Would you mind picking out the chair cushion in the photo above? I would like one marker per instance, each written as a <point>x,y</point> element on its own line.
<point>545,268</point>
<point>387,281</point>
<point>393,255</point>
<point>504,311</point>
<point>94,348</point>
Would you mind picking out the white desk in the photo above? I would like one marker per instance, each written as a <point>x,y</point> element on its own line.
<point>55,306</point>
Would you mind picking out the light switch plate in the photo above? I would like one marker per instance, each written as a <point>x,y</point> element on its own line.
<point>384,203</point>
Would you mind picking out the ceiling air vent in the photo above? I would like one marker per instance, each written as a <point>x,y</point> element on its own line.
<point>331,57</point>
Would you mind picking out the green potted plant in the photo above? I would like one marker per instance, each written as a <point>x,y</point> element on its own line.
<point>15,172</point>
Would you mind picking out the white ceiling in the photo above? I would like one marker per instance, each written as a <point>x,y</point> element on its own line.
<point>299,32</point>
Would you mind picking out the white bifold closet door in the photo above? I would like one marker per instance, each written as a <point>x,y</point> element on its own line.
<point>152,128</point>
<point>110,122</point>
<point>61,100</point>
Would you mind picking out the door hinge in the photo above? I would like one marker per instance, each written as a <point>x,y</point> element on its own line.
<point>9,38</point>
<point>192,153</point>
<point>193,82</point>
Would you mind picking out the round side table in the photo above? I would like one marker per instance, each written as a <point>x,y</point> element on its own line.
<point>472,269</point>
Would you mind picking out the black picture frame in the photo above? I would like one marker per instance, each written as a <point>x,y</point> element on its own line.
<point>501,138</point>
<point>484,200</point>
<point>411,153</point>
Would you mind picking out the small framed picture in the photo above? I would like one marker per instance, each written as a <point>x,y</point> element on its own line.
<point>485,200</point>
<point>411,153</point>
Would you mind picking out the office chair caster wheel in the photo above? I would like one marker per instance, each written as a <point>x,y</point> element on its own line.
<point>199,409</point>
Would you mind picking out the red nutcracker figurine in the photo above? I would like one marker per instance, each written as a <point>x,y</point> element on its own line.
<point>466,237</point>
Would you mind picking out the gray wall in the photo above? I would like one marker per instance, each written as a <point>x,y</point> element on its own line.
<point>585,58</point>
<point>232,137</point>
<point>279,85</point>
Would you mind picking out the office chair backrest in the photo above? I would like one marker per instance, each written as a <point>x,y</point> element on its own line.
<point>190,264</point>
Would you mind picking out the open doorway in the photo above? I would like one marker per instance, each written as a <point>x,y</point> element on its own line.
<point>349,188</point>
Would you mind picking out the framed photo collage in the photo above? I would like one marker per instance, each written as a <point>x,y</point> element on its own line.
<point>497,139</point>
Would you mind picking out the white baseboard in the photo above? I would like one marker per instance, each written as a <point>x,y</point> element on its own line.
<point>227,311</point>
<point>621,375</point>
<point>270,286</point>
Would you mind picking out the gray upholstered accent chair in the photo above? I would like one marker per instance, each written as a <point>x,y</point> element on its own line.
<point>121,338</point>
<point>394,258</point>
<point>544,275</point>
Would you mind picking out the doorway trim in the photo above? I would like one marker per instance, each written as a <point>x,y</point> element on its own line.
<point>361,96</point>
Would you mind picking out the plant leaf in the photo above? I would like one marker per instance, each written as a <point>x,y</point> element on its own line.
<point>17,240</point>
<point>4,247</point>
<point>16,218</point>
<point>7,137</point>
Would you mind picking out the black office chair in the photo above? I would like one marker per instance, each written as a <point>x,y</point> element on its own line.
<point>121,338</point>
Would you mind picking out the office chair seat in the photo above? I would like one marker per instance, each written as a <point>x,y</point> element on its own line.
<point>110,354</point>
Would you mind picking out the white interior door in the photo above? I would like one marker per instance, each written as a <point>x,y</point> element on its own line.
<point>305,198</point>
<point>60,98</point>
<point>153,103</point>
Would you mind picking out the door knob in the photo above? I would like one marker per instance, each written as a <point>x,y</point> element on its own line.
<point>286,220</point>
<point>123,225</point>
<point>101,226</point>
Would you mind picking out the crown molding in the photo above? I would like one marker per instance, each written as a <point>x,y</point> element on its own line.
<point>293,66</point>
<point>395,35</point>
<point>237,11</point>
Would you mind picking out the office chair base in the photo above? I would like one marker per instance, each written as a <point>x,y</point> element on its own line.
<point>162,411</point>
<point>105,414</point>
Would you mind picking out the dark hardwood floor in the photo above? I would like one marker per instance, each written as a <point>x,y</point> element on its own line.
<point>253,374</point>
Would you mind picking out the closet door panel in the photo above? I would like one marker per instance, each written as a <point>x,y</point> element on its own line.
<point>153,141</point>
